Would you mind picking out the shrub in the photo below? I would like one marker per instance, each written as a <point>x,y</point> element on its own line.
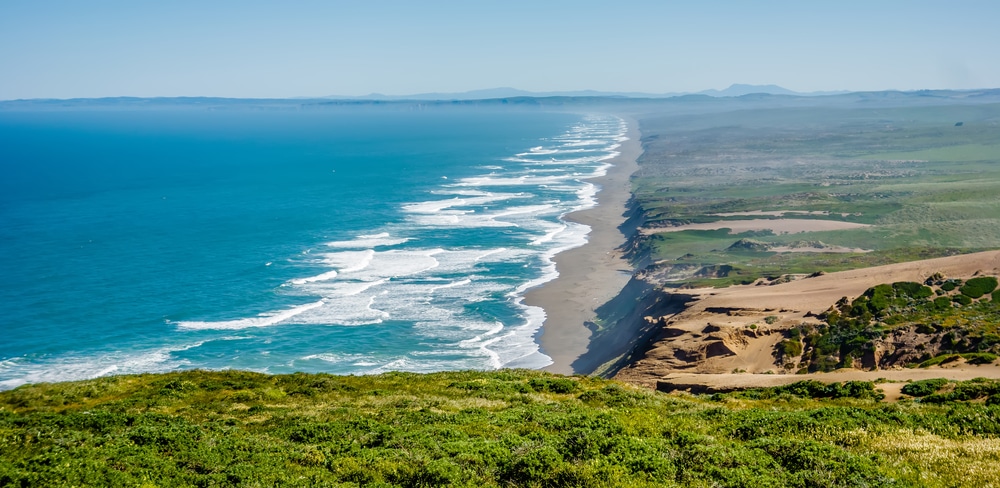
<point>912,290</point>
<point>942,359</point>
<point>923,388</point>
<point>977,287</point>
<point>864,390</point>
<point>553,385</point>
<point>979,357</point>
<point>970,357</point>
<point>790,348</point>
<point>974,389</point>
<point>962,299</point>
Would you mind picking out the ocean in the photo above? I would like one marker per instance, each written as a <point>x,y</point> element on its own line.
<point>348,240</point>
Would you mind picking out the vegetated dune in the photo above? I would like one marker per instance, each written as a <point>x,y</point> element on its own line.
<point>736,329</point>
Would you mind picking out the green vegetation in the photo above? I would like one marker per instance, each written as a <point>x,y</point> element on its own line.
<point>924,387</point>
<point>970,357</point>
<point>863,390</point>
<point>504,428</point>
<point>928,188</point>
<point>953,324</point>
<point>940,390</point>
<point>977,287</point>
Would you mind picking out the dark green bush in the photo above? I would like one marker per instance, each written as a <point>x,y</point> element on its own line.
<point>964,391</point>
<point>817,389</point>
<point>912,290</point>
<point>924,387</point>
<point>790,348</point>
<point>977,287</point>
<point>979,357</point>
<point>942,303</point>
<point>553,385</point>
<point>942,359</point>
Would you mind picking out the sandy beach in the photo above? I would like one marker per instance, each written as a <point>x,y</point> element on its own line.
<point>592,274</point>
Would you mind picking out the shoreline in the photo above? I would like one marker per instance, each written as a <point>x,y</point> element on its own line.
<point>592,274</point>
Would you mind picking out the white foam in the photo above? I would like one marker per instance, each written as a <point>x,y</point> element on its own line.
<point>265,319</point>
<point>451,285</point>
<point>340,358</point>
<point>329,275</point>
<point>73,368</point>
<point>550,235</point>
<point>349,261</point>
<point>396,263</point>
<point>510,181</point>
<point>436,206</point>
<point>369,241</point>
<point>344,288</point>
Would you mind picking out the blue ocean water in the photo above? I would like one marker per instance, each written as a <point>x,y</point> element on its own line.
<point>349,241</point>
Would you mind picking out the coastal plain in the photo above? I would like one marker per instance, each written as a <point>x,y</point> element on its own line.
<point>752,209</point>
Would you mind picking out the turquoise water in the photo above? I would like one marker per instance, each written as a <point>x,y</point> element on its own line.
<point>348,241</point>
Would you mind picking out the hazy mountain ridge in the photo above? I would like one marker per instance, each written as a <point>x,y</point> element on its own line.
<point>734,90</point>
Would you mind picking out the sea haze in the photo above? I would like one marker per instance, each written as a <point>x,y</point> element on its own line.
<point>350,240</point>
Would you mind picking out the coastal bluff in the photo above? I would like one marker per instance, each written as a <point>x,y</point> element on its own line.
<point>738,329</point>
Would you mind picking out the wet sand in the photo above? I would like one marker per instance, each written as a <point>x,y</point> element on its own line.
<point>592,274</point>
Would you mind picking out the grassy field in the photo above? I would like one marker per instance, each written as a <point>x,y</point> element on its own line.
<point>926,186</point>
<point>505,428</point>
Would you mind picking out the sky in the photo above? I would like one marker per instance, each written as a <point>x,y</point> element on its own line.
<point>257,49</point>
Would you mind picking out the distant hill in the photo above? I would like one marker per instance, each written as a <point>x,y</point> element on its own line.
<point>734,90</point>
<point>738,90</point>
<point>502,92</point>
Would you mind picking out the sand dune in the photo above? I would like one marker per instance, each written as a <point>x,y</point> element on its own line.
<point>712,335</point>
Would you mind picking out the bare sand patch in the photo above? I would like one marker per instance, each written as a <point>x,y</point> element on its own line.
<point>778,226</point>
<point>774,213</point>
<point>825,248</point>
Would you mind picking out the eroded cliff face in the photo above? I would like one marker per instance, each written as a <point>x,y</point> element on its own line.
<point>712,340</point>
<point>626,325</point>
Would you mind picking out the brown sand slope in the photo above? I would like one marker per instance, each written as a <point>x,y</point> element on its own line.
<point>714,334</point>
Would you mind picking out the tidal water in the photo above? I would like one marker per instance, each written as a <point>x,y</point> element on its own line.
<point>350,241</point>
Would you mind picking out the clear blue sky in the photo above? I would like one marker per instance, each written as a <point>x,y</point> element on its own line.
<point>97,48</point>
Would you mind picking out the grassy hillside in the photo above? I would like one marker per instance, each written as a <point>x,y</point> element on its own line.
<point>505,428</point>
